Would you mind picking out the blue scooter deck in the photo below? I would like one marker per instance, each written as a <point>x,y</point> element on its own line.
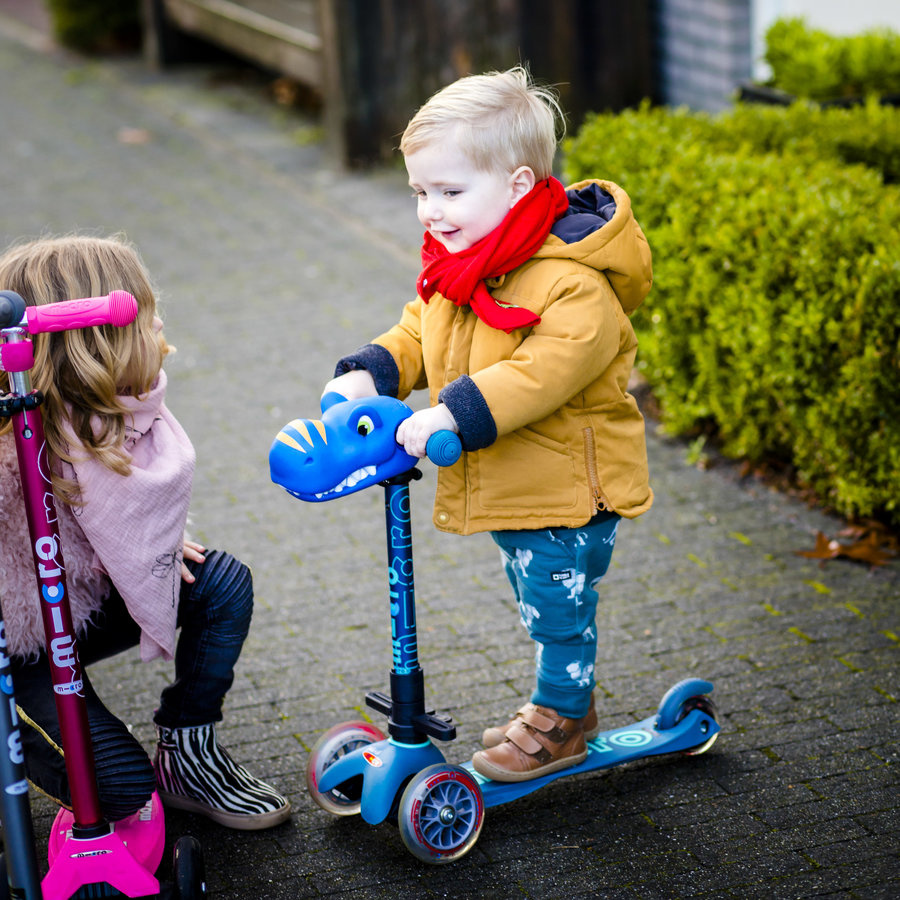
<point>610,749</point>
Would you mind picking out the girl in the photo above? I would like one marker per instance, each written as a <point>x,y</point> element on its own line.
<point>122,470</point>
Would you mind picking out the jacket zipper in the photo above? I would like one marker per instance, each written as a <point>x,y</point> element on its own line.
<point>590,461</point>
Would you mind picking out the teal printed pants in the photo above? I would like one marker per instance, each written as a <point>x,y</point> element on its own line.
<point>554,572</point>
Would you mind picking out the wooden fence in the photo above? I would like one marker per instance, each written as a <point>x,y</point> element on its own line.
<point>374,62</point>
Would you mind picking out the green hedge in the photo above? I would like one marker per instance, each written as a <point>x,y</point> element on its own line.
<point>868,134</point>
<point>774,321</point>
<point>817,65</point>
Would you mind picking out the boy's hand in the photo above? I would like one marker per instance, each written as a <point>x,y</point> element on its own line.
<point>194,552</point>
<point>352,385</point>
<point>413,433</point>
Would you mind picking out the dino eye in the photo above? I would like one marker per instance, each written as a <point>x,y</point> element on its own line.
<point>365,425</point>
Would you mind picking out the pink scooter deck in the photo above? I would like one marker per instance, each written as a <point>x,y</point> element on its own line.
<point>125,859</point>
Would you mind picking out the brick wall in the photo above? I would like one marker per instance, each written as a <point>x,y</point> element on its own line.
<point>703,51</point>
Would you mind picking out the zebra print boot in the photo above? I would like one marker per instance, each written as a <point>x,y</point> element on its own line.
<point>195,774</point>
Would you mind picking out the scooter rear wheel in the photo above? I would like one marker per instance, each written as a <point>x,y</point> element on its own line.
<point>338,741</point>
<point>705,705</point>
<point>441,813</point>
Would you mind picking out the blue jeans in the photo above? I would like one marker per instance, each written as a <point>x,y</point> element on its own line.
<point>214,617</point>
<point>553,573</point>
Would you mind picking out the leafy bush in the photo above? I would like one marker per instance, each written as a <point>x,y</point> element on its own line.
<point>868,134</point>
<point>774,322</point>
<point>96,26</point>
<point>810,63</point>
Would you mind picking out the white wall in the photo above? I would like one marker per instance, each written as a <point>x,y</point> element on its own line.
<point>835,16</point>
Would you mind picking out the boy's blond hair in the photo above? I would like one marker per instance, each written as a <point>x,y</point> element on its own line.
<point>82,372</point>
<point>501,120</point>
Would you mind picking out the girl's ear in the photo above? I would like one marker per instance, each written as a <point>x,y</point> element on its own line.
<point>520,183</point>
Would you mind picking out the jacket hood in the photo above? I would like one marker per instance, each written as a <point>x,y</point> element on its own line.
<point>600,231</point>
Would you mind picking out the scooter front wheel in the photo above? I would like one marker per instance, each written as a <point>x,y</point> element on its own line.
<point>338,741</point>
<point>189,870</point>
<point>441,813</point>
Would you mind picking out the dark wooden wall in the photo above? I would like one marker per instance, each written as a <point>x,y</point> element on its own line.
<point>389,56</point>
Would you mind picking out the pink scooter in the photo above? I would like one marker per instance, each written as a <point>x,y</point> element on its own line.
<point>88,856</point>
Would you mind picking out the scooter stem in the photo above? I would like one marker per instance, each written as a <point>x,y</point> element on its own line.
<point>62,652</point>
<point>408,720</point>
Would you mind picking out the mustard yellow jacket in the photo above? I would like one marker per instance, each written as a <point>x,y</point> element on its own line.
<point>551,433</point>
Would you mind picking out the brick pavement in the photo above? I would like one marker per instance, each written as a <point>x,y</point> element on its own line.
<point>269,266</point>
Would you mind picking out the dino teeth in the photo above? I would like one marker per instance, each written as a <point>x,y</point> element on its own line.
<point>350,481</point>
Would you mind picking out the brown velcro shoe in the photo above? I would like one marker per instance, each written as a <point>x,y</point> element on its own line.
<point>537,743</point>
<point>496,735</point>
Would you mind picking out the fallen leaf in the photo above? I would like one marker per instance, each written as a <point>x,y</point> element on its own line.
<point>872,545</point>
<point>133,136</point>
<point>285,91</point>
<point>888,539</point>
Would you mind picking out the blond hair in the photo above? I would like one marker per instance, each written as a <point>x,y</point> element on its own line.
<point>502,121</point>
<point>81,372</point>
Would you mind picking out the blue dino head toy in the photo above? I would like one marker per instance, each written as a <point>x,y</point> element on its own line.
<point>352,447</point>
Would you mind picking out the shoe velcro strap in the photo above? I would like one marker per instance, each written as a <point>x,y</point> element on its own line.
<point>524,738</point>
<point>536,719</point>
<point>528,707</point>
<point>527,741</point>
<point>545,725</point>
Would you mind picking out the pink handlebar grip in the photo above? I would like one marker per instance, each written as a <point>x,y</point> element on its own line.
<point>116,308</point>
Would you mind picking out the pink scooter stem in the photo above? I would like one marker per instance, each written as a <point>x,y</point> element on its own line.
<point>62,653</point>
<point>116,308</point>
<point>84,848</point>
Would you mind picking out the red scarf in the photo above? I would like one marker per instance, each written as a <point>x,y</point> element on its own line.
<point>460,276</point>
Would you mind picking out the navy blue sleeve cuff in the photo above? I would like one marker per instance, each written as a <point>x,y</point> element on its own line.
<point>467,405</point>
<point>378,362</point>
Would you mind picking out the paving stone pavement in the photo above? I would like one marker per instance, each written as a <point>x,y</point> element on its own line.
<point>270,265</point>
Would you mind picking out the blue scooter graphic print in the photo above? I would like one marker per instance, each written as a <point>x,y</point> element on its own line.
<point>356,769</point>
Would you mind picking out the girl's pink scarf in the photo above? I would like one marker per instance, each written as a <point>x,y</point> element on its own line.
<point>460,277</point>
<point>136,523</point>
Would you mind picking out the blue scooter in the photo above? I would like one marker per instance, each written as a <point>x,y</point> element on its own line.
<point>403,776</point>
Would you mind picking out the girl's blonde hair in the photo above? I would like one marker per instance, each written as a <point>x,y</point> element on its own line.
<point>501,120</point>
<point>81,372</point>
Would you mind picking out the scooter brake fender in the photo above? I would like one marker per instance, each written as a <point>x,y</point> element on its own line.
<point>385,767</point>
<point>671,703</point>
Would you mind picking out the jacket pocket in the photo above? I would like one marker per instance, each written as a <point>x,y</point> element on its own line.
<point>525,471</point>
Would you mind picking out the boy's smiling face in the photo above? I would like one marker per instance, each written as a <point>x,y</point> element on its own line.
<point>458,203</point>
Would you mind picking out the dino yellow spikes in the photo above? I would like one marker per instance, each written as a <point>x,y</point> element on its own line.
<point>283,438</point>
<point>300,426</point>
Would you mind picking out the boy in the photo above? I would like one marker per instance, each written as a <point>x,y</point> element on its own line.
<point>520,333</point>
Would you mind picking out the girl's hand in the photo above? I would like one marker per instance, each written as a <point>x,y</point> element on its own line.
<point>352,385</point>
<point>413,432</point>
<point>195,553</point>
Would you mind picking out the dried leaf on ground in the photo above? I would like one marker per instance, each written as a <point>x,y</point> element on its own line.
<point>133,136</point>
<point>870,543</point>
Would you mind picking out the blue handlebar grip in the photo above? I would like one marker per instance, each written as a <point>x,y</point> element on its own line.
<point>12,308</point>
<point>443,448</point>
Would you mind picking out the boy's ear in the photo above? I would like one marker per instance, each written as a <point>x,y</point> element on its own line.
<point>521,182</point>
